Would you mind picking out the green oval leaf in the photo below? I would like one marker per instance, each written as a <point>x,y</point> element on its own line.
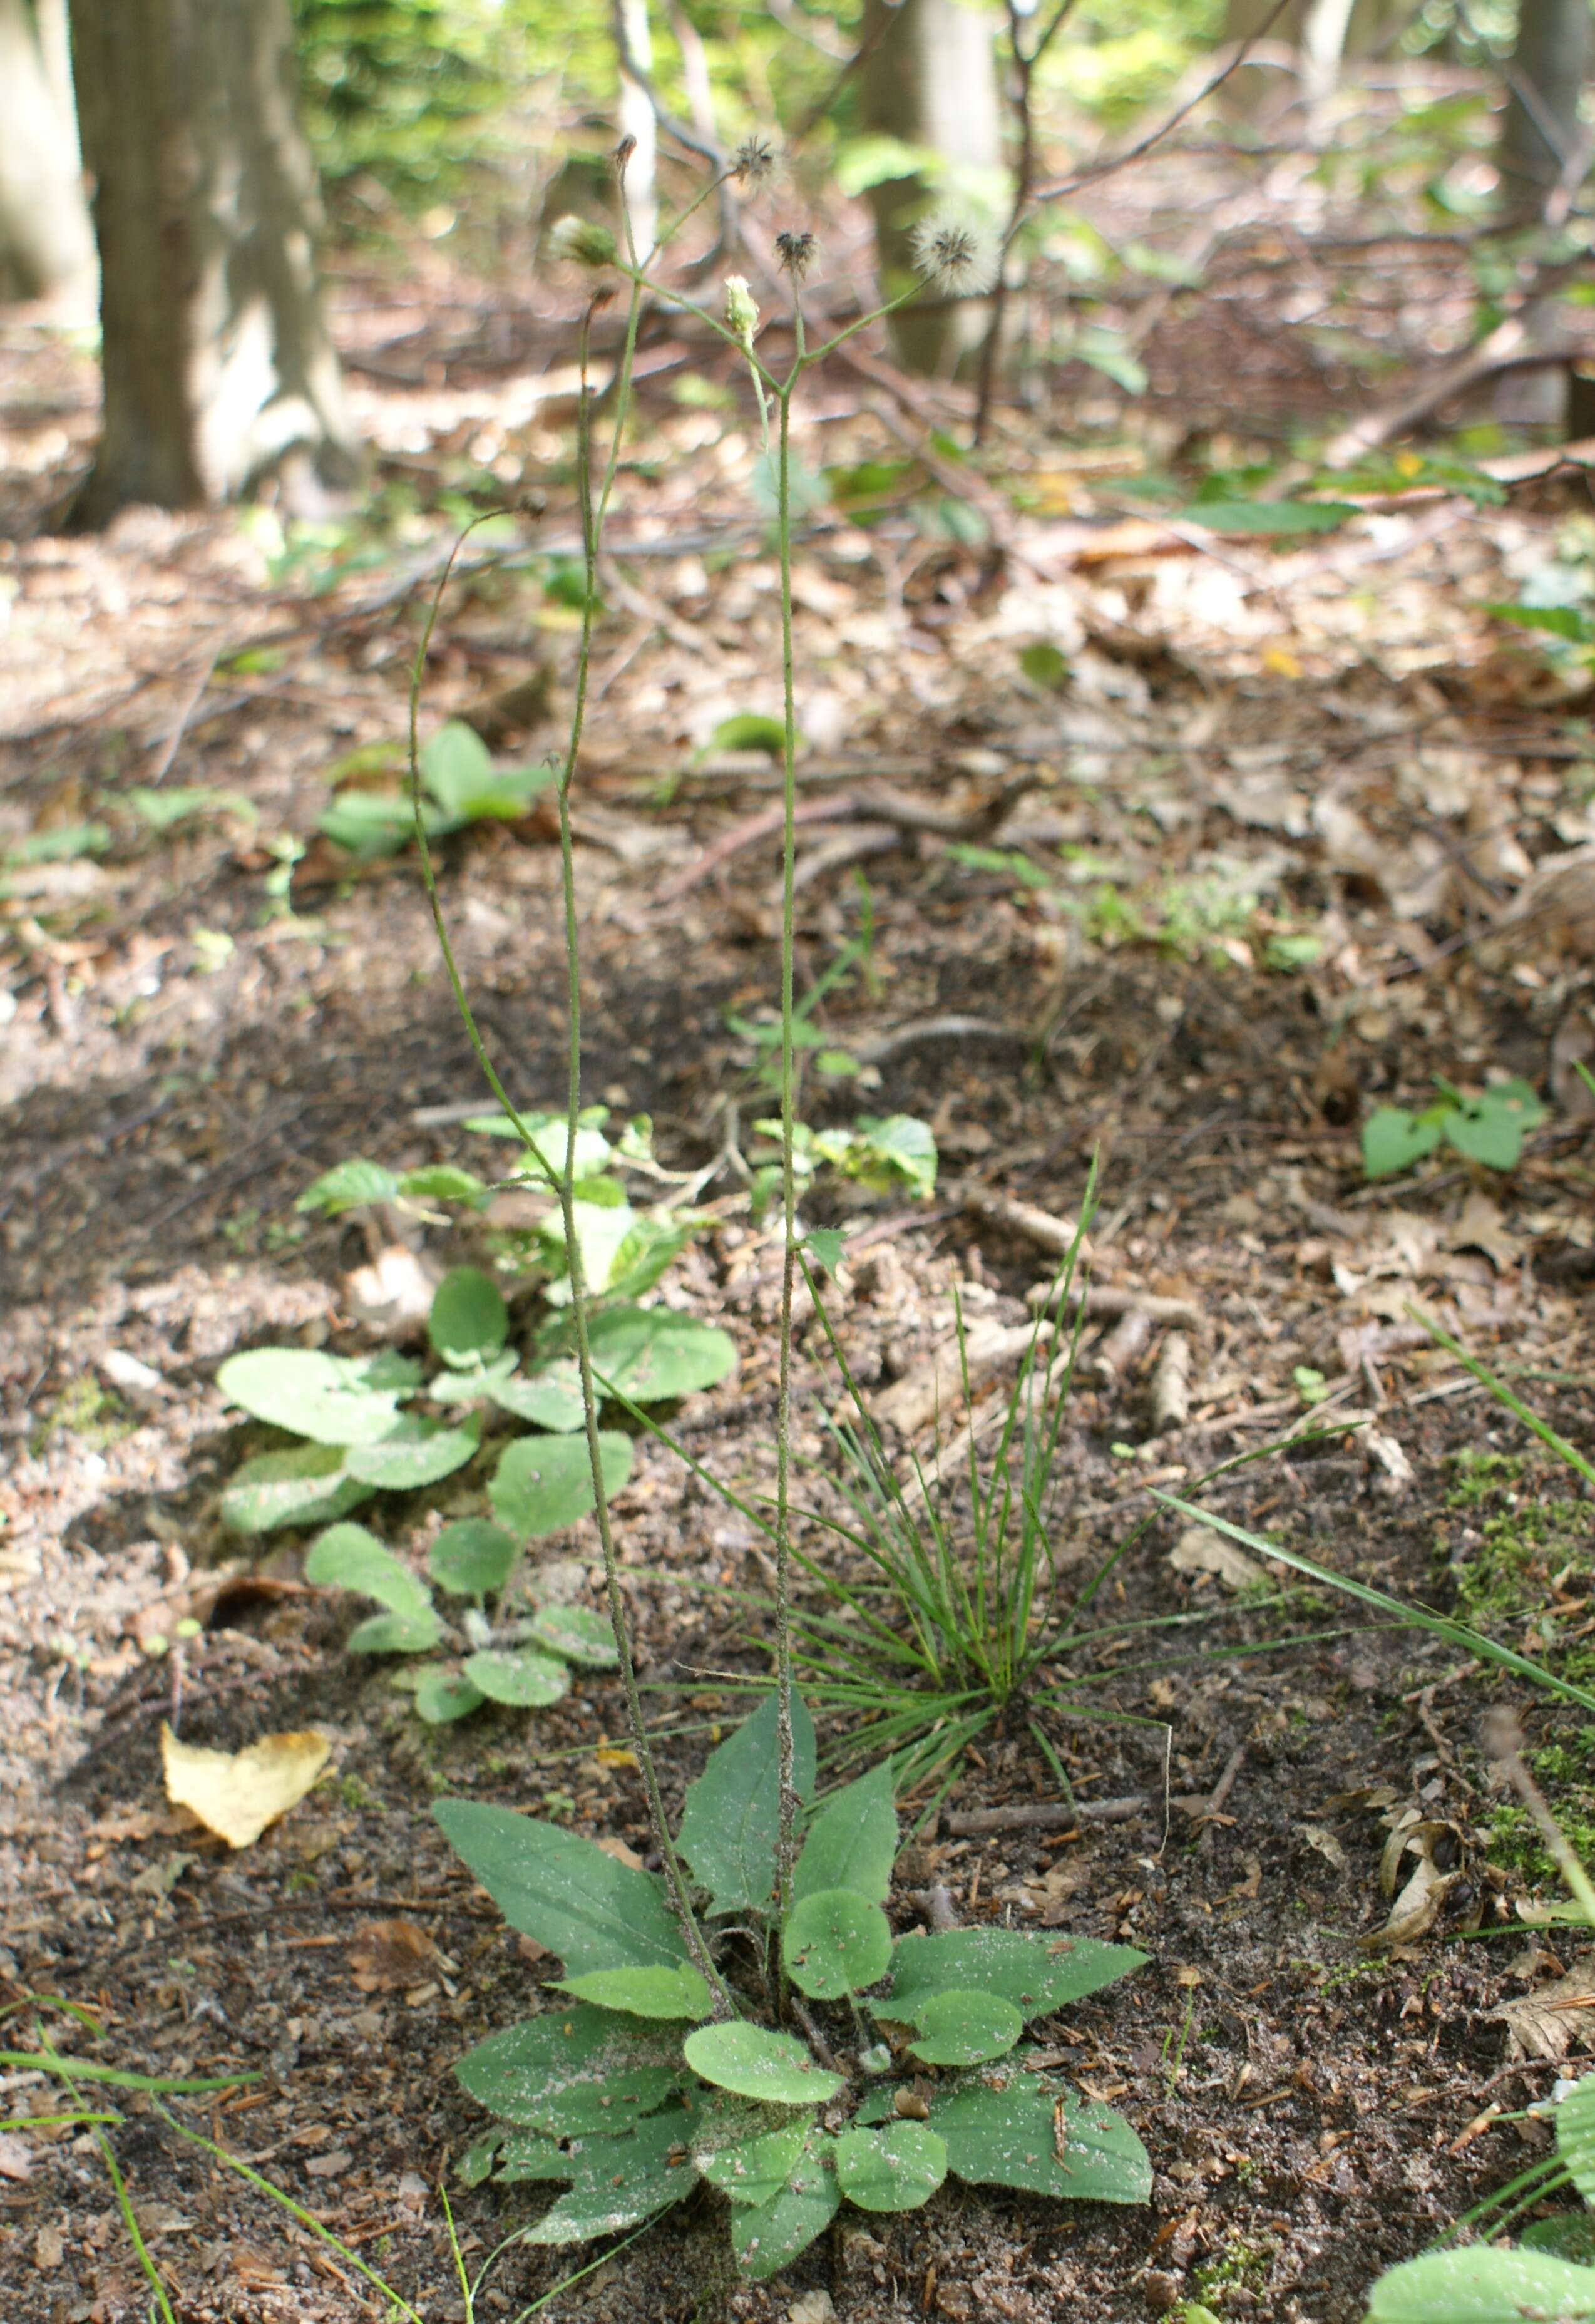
<point>327,1398</point>
<point>653,1353</point>
<point>544,1484</point>
<point>750,2164</point>
<point>965,2029</point>
<point>893,2170</point>
<point>655,1992</point>
<point>351,1557</point>
<point>526,1680</point>
<point>617,2182</point>
<point>1575,2135</point>
<point>471,1558</point>
<point>759,2064</point>
<point>592,1910</point>
<point>1018,2129</point>
<point>1037,1973</point>
<point>574,2073</point>
<point>851,1842</point>
<point>304,1486</point>
<point>550,1399</point>
<point>1482,2287</point>
<point>415,1452</point>
<point>1393,1139</point>
<point>767,2236</point>
<point>577,1633</point>
<point>836,1943</point>
<point>1570,2235</point>
<point>395,1633</point>
<point>346,1186</point>
<point>730,1817</point>
<point>469,1322</point>
<point>441,1697</point>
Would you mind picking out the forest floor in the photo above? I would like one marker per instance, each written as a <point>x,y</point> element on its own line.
<point>1278,857</point>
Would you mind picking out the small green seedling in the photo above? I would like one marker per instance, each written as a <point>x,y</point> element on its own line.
<point>1490,1128</point>
<point>675,2059</point>
<point>892,1155</point>
<point>525,1663</point>
<point>463,785</point>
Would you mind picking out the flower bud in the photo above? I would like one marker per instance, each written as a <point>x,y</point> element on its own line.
<point>742,315</point>
<point>582,242</point>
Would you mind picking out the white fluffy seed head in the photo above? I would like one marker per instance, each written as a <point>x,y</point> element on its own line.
<point>954,254</point>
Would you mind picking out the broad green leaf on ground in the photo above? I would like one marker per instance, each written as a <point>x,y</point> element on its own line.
<point>756,2063</point>
<point>1483,2287</point>
<point>575,2072</point>
<point>441,1697</point>
<point>566,1892</point>
<point>657,1992</point>
<point>351,1557</point>
<point>835,1943</point>
<point>767,2237</point>
<point>729,1822</point>
<point>525,1680</point>
<point>549,1398</point>
<point>1393,1140</point>
<point>899,1149</point>
<point>471,1558</point>
<point>748,2151</point>
<point>305,1486</point>
<point>1490,1128</point>
<point>1570,2235</point>
<point>550,1140</point>
<point>892,2169</point>
<point>328,1399</point>
<point>748,730</point>
<point>577,1633</point>
<point>1575,2135</point>
<point>415,1452</point>
<point>443,1182</point>
<point>454,766</point>
<point>1266,517</point>
<point>348,1185</point>
<point>395,1633</point>
<point>469,1321</point>
<point>1021,2130</point>
<point>1037,1973</point>
<point>965,2029</point>
<point>483,1384</point>
<point>544,1484</point>
<point>851,1842</point>
<point>602,1229</point>
<point>615,2183</point>
<point>652,1354</point>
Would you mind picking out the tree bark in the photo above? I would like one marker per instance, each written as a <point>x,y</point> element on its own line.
<point>930,79</point>
<point>45,242</point>
<point>1540,132</point>
<point>218,364</point>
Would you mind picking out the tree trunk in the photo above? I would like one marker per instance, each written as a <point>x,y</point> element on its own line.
<point>218,364</point>
<point>1541,132</point>
<point>45,242</point>
<point>931,80</point>
<point>634,47</point>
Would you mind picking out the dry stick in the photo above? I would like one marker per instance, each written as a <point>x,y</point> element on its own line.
<point>1051,1815</point>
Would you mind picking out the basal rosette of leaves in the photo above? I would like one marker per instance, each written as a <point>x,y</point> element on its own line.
<point>1490,1128</point>
<point>358,1439</point>
<point>647,2080</point>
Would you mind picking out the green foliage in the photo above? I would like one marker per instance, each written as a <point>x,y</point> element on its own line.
<point>894,1155</point>
<point>1489,1129</point>
<point>521,1663</point>
<point>737,2101</point>
<point>463,786</point>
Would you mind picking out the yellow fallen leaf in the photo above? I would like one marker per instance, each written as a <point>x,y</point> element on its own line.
<point>609,1754</point>
<point>238,1793</point>
<point>1281,661</point>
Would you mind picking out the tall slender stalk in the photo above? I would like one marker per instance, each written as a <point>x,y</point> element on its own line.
<point>787,1822</point>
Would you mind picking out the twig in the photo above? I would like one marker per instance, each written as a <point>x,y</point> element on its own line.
<point>1050,1815</point>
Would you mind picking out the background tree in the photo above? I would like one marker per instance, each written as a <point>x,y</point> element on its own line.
<point>218,364</point>
<point>45,241</point>
<point>1542,138</point>
<point>930,79</point>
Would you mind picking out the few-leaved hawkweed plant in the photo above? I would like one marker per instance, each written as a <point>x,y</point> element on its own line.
<point>745,2017</point>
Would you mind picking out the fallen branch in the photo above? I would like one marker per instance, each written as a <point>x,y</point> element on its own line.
<point>1049,1815</point>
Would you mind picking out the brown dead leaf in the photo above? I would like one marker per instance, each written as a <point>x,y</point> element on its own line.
<point>1316,1836</point>
<point>1200,1550</point>
<point>620,1853</point>
<point>1415,1910</point>
<point>389,1956</point>
<point>1482,1228</point>
<point>1557,2018</point>
<point>252,2269</point>
<point>16,2161</point>
<point>238,1793</point>
<point>50,2247</point>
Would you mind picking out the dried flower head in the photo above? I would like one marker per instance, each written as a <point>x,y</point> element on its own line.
<point>754,161</point>
<point>795,253</point>
<point>622,154</point>
<point>581,242</point>
<point>742,315</point>
<point>954,254</point>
